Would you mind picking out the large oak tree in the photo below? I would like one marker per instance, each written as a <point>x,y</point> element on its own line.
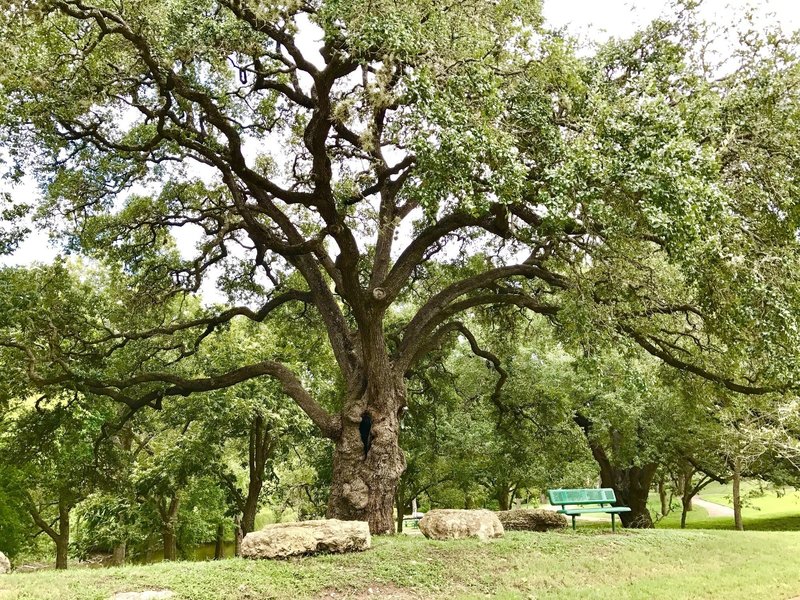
<point>390,165</point>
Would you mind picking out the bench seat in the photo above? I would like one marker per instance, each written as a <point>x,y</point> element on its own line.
<point>607,509</point>
<point>576,502</point>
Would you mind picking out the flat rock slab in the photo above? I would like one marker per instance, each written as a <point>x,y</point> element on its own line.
<point>145,595</point>
<point>5,564</point>
<point>447,524</point>
<point>531,519</point>
<point>307,537</point>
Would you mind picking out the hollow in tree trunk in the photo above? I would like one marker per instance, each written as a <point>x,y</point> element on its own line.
<point>367,459</point>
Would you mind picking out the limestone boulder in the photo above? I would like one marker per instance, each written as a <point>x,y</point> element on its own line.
<point>446,524</point>
<point>531,519</point>
<point>307,537</point>
<point>5,564</point>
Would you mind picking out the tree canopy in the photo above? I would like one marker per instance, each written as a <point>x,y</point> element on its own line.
<point>391,169</point>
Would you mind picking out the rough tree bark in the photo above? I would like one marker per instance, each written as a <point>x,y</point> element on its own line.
<point>367,466</point>
<point>632,487</point>
<point>631,484</point>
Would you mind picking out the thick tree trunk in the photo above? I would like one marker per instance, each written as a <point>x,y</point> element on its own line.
<point>737,498</point>
<point>631,485</point>
<point>367,459</point>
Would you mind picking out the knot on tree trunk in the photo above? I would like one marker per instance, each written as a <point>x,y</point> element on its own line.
<point>356,493</point>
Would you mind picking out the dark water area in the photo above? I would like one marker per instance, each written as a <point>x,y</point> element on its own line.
<point>201,552</point>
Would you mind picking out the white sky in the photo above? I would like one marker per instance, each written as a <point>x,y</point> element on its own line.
<point>598,20</point>
<point>592,20</point>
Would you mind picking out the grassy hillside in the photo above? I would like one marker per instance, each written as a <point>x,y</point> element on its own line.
<point>587,564</point>
<point>765,509</point>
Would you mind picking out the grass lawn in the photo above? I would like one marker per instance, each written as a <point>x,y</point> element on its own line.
<point>587,564</point>
<point>763,511</point>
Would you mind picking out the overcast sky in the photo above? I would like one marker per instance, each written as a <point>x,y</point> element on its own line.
<point>598,20</point>
<point>592,20</point>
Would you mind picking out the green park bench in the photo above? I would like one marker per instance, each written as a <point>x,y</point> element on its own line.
<point>581,498</point>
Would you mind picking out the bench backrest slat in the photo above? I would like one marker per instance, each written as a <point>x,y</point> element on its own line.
<point>582,496</point>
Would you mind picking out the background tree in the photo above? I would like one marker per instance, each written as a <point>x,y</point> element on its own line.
<point>48,455</point>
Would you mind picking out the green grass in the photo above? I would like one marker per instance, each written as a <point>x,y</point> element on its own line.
<point>587,564</point>
<point>764,509</point>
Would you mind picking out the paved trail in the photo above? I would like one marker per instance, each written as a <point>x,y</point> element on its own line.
<point>713,509</point>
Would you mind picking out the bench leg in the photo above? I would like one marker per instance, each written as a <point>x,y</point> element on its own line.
<point>573,522</point>
<point>613,522</point>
